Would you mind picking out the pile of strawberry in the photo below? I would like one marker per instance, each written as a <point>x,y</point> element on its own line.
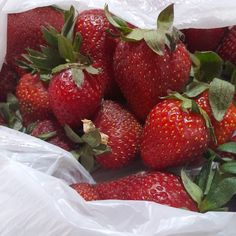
<point>112,94</point>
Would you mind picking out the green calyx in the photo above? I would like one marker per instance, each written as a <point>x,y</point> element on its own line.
<point>215,184</point>
<point>62,50</point>
<point>91,144</point>
<point>157,39</point>
<point>9,111</point>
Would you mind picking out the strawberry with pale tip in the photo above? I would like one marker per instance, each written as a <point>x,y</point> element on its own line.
<point>148,63</point>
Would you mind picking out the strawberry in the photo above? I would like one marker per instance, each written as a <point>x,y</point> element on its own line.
<point>2,121</point>
<point>162,188</point>
<point>225,128</point>
<point>227,49</point>
<point>33,97</point>
<point>71,102</point>
<point>24,30</point>
<point>150,63</point>
<point>203,39</point>
<point>8,81</point>
<point>52,132</point>
<point>123,131</point>
<point>172,136</point>
<point>87,191</point>
<point>92,25</point>
<point>75,90</point>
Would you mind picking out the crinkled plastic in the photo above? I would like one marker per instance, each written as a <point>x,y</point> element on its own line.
<point>35,203</point>
<point>35,198</point>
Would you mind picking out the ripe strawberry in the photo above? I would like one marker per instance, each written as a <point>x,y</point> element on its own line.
<point>172,137</point>
<point>227,49</point>
<point>92,25</point>
<point>203,39</point>
<point>163,188</point>
<point>123,131</point>
<point>33,97</point>
<point>223,129</point>
<point>87,191</point>
<point>24,30</point>
<point>149,64</point>
<point>75,88</point>
<point>8,81</point>
<point>52,132</point>
<point>71,102</point>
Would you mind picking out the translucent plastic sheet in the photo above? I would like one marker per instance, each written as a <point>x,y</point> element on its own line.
<point>34,195</point>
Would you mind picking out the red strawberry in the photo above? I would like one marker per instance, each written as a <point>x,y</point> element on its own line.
<point>223,129</point>
<point>75,90</point>
<point>24,30</point>
<point>150,63</point>
<point>87,191</point>
<point>71,102</point>
<point>8,81</point>
<point>123,131</point>
<point>33,97</point>
<point>92,25</point>
<point>172,137</point>
<point>203,39</point>
<point>52,132</point>
<point>163,188</point>
<point>227,49</point>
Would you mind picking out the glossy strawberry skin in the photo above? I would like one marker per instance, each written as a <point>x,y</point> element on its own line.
<point>60,139</point>
<point>92,25</point>
<point>8,81</point>
<point>203,39</point>
<point>24,31</point>
<point>87,191</point>
<point>223,129</point>
<point>33,97</point>
<point>162,188</point>
<point>144,76</point>
<point>71,103</point>
<point>227,49</point>
<point>124,134</point>
<point>172,137</point>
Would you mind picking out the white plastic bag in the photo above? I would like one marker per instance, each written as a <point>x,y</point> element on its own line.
<point>33,202</point>
<point>36,204</point>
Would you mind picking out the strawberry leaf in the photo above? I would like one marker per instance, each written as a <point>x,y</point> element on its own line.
<point>92,138</point>
<point>229,167</point>
<point>135,35</point>
<point>208,66</point>
<point>193,189</point>
<point>117,22</point>
<point>48,135</point>
<point>68,27</point>
<point>66,49</point>
<point>87,159</point>
<point>50,35</point>
<point>221,95</point>
<point>195,88</point>
<point>72,135</point>
<point>202,178</point>
<point>166,18</point>
<point>220,195</point>
<point>155,41</point>
<point>228,147</point>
